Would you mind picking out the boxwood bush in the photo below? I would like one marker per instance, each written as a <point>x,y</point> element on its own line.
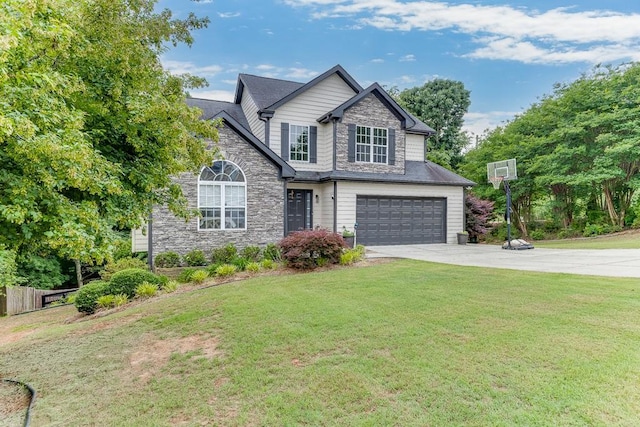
<point>167,260</point>
<point>126,281</point>
<point>86,300</point>
<point>195,258</point>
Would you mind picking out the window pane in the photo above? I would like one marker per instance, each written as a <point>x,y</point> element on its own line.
<point>363,141</point>
<point>299,143</point>
<point>234,218</point>
<point>210,218</point>
<point>210,195</point>
<point>234,195</point>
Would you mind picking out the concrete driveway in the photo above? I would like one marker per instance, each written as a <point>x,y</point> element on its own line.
<point>604,262</point>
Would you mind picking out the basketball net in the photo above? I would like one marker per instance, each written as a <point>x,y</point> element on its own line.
<point>496,181</point>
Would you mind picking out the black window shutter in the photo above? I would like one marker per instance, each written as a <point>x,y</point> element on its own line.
<point>392,147</point>
<point>284,141</point>
<point>351,150</point>
<point>313,144</point>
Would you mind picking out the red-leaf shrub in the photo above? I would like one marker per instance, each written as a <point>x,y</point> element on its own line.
<point>479,212</point>
<point>309,249</point>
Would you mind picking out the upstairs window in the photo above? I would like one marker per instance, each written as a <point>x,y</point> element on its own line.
<point>222,197</point>
<point>299,143</point>
<point>371,144</point>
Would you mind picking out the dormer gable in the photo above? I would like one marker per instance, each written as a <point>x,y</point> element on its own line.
<point>409,122</point>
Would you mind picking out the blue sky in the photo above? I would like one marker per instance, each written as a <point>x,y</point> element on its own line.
<point>507,53</point>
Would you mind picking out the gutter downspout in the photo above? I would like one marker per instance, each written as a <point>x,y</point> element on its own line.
<point>335,183</point>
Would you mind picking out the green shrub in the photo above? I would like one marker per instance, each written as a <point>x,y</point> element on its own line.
<point>146,290</point>
<point>309,249</point>
<point>199,276</point>
<point>185,275</point>
<point>252,253</point>
<point>351,256</point>
<point>268,264</point>
<point>171,286</point>
<point>240,263</point>
<point>41,272</point>
<point>126,281</point>
<point>122,247</point>
<point>272,252</point>
<point>226,270</point>
<point>9,269</point>
<point>361,250</point>
<point>253,267</point>
<point>537,235</point>
<point>106,301</point>
<point>224,255</point>
<point>195,258</point>
<point>122,264</point>
<point>211,269</point>
<point>167,260</point>
<point>120,299</point>
<point>70,299</point>
<point>87,296</point>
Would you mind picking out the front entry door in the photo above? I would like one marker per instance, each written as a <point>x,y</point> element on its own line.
<point>299,210</point>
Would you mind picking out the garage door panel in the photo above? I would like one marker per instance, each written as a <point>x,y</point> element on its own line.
<point>400,220</point>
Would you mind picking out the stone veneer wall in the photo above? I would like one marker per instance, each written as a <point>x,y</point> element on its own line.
<point>369,112</point>
<point>265,205</point>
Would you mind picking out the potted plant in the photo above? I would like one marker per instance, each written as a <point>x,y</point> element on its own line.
<point>463,237</point>
<point>348,236</point>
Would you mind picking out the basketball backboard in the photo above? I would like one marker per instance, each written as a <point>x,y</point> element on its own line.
<point>505,169</point>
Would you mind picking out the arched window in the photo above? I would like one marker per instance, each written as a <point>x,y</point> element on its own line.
<point>222,197</point>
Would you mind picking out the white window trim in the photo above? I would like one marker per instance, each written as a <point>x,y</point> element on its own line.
<point>291,142</point>
<point>372,145</point>
<point>223,184</point>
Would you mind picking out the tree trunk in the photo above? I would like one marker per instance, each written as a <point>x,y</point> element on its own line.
<point>78,272</point>
<point>613,215</point>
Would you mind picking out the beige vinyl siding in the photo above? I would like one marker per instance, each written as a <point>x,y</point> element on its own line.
<point>139,240</point>
<point>305,109</point>
<point>322,206</point>
<point>251,113</point>
<point>348,191</point>
<point>415,147</point>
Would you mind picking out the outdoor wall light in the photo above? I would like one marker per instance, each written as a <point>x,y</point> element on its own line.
<point>317,199</point>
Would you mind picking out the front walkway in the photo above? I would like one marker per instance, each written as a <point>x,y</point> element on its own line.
<point>604,262</point>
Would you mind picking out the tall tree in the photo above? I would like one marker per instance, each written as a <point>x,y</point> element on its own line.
<point>91,126</point>
<point>442,104</point>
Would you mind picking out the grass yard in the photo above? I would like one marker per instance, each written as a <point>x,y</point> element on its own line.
<point>623,240</point>
<point>405,343</point>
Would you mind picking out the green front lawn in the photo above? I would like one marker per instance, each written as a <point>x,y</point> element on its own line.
<point>406,343</point>
<point>625,240</point>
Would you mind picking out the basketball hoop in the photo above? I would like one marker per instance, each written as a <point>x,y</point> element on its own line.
<point>496,181</point>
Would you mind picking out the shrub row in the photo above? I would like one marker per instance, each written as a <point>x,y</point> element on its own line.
<point>124,282</point>
<point>224,255</point>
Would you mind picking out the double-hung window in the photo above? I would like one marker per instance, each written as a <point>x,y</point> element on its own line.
<point>371,144</point>
<point>299,143</point>
<point>222,197</point>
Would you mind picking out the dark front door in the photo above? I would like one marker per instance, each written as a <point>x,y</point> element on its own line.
<point>299,210</point>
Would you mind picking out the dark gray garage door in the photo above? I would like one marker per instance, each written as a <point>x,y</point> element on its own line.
<point>401,220</point>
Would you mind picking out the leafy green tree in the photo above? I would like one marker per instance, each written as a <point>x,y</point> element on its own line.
<point>91,126</point>
<point>442,104</point>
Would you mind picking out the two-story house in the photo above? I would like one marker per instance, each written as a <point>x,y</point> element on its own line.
<point>328,154</point>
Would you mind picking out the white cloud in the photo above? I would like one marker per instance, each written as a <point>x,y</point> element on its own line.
<point>300,73</point>
<point>559,35</point>
<point>217,95</point>
<point>408,58</point>
<point>188,67</point>
<point>228,14</point>
<point>377,60</point>
<point>477,123</point>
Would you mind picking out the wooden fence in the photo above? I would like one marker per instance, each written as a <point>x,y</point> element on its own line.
<point>18,299</point>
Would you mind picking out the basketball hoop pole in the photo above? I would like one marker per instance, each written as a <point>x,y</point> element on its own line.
<point>507,190</point>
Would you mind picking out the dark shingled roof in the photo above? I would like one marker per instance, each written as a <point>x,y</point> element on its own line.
<point>416,172</point>
<point>212,108</point>
<point>265,91</point>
